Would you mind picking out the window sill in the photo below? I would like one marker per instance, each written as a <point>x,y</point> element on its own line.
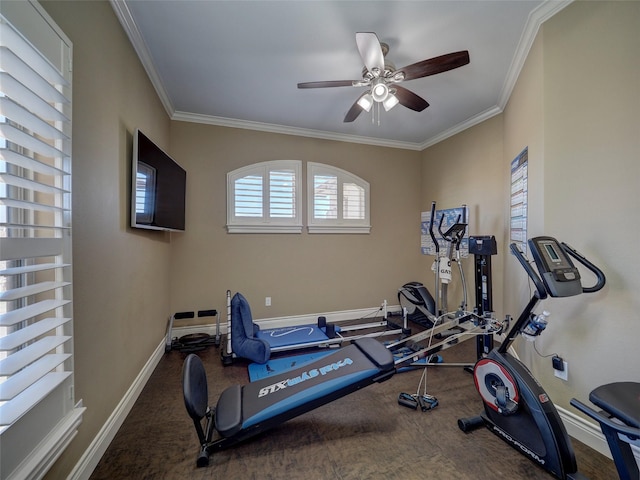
<point>363,230</point>
<point>51,447</point>
<point>264,228</point>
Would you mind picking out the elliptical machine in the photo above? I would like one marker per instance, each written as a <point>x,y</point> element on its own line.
<point>516,408</point>
<point>414,298</point>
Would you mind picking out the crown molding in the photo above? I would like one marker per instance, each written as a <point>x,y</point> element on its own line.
<point>470,122</point>
<point>121,9</point>
<point>285,130</point>
<point>536,18</point>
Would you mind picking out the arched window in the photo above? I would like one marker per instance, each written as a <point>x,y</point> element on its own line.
<point>265,198</point>
<point>338,201</point>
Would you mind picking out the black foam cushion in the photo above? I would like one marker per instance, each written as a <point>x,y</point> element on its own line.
<point>376,352</point>
<point>620,399</point>
<point>194,387</point>
<point>229,411</point>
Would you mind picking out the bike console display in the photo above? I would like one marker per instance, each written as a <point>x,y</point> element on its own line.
<point>560,276</point>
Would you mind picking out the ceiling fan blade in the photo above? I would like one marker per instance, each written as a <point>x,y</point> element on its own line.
<point>354,111</point>
<point>435,65</point>
<point>330,83</point>
<point>370,51</point>
<point>410,99</point>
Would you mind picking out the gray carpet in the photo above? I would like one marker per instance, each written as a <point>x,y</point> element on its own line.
<point>365,435</point>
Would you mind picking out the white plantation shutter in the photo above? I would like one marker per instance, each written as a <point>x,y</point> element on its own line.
<point>282,193</point>
<point>353,201</point>
<point>265,198</point>
<point>248,196</point>
<point>38,415</point>
<point>325,196</point>
<point>338,200</point>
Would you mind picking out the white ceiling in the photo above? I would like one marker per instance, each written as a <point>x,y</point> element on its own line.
<point>237,63</point>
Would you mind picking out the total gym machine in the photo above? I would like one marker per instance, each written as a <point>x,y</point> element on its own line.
<point>516,408</point>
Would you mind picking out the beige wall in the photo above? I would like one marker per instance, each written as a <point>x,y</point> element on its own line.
<point>302,273</point>
<point>575,107</point>
<point>591,176</point>
<point>121,276</point>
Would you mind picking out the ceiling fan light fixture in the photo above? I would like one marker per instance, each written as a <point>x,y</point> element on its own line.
<point>390,102</point>
<point>366,102</point>
<point>379,91</point>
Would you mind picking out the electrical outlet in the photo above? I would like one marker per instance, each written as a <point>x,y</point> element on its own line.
<point>267,301</point>
<point>564,373</point>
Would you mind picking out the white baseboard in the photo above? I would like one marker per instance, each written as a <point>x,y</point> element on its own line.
<point>584,431</point>
<point>290,321</point>
<point>93,454</point>
<point>332,317</point>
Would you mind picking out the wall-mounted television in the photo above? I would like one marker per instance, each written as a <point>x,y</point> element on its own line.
<point>158,187</point>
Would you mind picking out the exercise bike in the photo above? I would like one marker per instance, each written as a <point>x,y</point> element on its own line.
<point>516,407</point>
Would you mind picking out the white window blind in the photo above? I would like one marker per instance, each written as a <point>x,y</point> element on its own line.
<point>325,196</point>
<point>338,200</point>
<point>265,198</point>
<point>353,202</point>
<point>282,193</point>
<point>38,416</point>
<point>248,196</point>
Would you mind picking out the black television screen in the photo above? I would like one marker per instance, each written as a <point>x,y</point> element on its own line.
<point>158,188</point>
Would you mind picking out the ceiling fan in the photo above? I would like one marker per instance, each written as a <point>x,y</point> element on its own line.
<point>381,77</point>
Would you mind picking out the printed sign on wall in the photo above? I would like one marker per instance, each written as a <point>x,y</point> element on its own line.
<point>518,217</point>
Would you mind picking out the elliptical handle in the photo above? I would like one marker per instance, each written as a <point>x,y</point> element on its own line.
<point>433,237</point>
<point>600,277</point>
<point>541,292</point>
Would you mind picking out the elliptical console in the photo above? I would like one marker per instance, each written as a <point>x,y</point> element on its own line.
<point>516,407</point>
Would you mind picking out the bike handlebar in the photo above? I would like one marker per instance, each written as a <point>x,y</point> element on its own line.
<point>600,277</point>
<point>541,292</point>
